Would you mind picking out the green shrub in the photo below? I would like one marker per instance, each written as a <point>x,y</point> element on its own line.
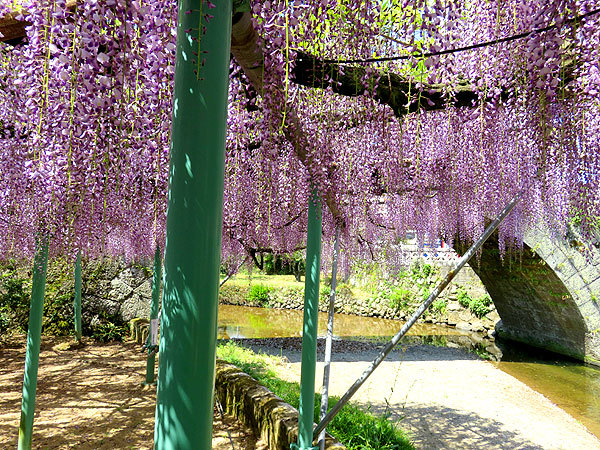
<point>110,328</point>
<point>4,322</point>
<point>108,332</point>
<point>400,298</point>
<point>14,302</point>
<point>425,294</point>
<point>325,293</point>
<point>463,297</point>
<point>58,315</point>
<point>259,294</point>
<point>481,305</point>
<point>440,305</point>
<point>426,270</point>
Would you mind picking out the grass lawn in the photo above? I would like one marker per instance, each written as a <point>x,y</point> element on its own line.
<point>272,281</point>
<point>285,281</point>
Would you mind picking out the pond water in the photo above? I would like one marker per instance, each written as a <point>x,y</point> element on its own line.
<point>573,386</point>
<point>248,322</point>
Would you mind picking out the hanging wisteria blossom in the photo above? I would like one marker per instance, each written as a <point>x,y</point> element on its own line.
<point>421,115</point>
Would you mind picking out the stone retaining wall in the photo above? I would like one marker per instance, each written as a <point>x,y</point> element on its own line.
<point>275,421</point>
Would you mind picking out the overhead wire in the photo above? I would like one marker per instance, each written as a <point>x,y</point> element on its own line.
<point>513,37</point>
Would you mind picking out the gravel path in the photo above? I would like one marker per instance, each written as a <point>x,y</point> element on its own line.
<point>445,397</point>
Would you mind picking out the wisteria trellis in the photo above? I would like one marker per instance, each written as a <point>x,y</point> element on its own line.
<point>86,105</point>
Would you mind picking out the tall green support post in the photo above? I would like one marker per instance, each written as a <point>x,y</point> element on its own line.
<point>186,372</point>
<point>151,342</point>
<point>77,301</point>
<point>32,357</point>
<point>309,332</point>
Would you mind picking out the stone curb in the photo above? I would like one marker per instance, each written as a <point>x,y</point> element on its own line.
<point>267,415</point>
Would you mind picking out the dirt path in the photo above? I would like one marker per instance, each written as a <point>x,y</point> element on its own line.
<point>91,399</point>
<point>448,399</point>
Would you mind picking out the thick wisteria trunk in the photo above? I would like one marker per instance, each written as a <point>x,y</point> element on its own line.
<point>248,54</point>
<point>402,95</point>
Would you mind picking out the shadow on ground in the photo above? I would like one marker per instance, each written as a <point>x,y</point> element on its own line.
<point>90,398</point>
<point>440,428</point>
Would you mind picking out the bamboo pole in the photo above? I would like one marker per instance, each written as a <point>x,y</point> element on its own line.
<point>436,292</point>
<point>329,338</point>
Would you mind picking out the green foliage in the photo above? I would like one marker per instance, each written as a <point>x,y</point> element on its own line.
<point>425,294</point>
<point>110,328</point>
<point>324,293</point>
<point>4,322</point>
<point>353,427</point>
<point>463,297</point>
<point>283,264</point>
<point>426,270</point>
<point>259,294</point>
<point>418,270</point>
<point>440,305</point>
<point>479,306</point>
<point>58,315</point>
<point>14,302</point>
<point>357,429</point>
<point>400,298</point>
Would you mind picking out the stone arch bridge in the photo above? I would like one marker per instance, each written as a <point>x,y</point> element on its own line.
<point>548,298</point>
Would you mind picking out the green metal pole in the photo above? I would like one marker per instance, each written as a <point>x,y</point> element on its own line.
<point>186,372</point>
<point>151,343</point>
<point>309,333</point>
<point>77,301</point>
<point>32,357</point>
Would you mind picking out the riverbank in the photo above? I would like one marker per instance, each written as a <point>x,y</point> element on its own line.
<point>463,305</point>
<point>445,397</point>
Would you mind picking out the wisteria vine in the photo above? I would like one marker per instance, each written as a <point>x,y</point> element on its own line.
<point>85,123</point>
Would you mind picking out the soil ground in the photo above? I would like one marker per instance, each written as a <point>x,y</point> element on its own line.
<point>91,398</point>
<point>444,397</point>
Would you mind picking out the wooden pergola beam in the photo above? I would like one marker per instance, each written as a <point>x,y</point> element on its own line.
<point>12,29</point>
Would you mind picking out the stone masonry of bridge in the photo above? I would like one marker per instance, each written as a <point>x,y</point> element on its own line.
<point>548,297</point>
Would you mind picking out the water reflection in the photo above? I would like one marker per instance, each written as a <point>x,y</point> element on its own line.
<point>248,322</point>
